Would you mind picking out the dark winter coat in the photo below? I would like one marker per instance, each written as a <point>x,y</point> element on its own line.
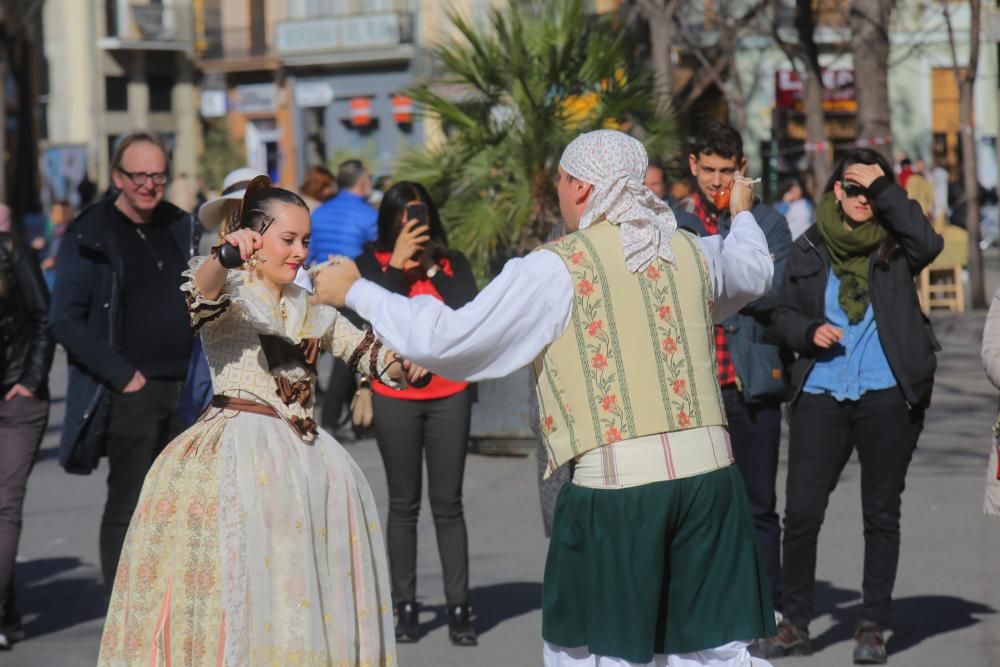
<point>25,343</point>
<point>86,319</point>
<point>904,331</point>
<point>758,360</point>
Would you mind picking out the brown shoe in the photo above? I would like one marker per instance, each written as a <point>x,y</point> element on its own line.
<point>869,647</point>
<point>790,640</point>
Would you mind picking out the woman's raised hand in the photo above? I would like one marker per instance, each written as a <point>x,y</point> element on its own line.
<point>246,240</point>
<point>410,241</point>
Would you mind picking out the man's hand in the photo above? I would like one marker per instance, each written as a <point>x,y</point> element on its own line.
<point>826,336</point>
<point>741,197</point>
<point>332,282</point>
<point>18,390</point>
<point>135,384</point>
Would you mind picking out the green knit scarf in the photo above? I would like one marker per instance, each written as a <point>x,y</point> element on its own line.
<point>850,249</point>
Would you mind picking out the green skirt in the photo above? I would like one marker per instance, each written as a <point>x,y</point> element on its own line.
<point>669,567</point>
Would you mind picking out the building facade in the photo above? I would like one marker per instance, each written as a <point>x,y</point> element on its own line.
<point>923,93</point>
<point>117,66</point>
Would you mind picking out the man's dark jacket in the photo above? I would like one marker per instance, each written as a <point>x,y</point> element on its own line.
<point>903,330</point>
<point>755,355</point>
<point>86,319</point>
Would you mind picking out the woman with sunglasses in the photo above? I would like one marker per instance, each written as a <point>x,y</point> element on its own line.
<point>862,378</point>
<point>411,257</point>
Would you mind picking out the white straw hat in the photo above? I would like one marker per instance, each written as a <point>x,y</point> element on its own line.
<point>234,185</point>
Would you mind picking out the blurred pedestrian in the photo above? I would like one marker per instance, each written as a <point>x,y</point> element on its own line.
<point>653,551</point>
<point>344,224</point>
<point>656,179</point>
<point>118,310</point>
<point>382,185</point>
<point>656,182</point>
<point>411,257</point>
<point>793,204</point>
<point>750,365</point>
<point>905,170</point>
<point>991,364</point>
<point>60,215</point>
<point>341,227</point>
<point>920,189</point>
<point>318,186</point>
<point>680,189</point>
<point>940,180</point>
<point>25,360</point>
<point>862,380</point>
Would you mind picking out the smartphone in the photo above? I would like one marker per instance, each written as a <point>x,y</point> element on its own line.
<point>416,211</point>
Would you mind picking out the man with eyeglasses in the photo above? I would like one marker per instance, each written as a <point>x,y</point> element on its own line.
<point>118,311</point>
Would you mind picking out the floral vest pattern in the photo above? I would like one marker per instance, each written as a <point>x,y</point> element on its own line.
<point>638,356</point>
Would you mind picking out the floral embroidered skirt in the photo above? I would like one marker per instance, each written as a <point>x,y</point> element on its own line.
<point>250,547</point>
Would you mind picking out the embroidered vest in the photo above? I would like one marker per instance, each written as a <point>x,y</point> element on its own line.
<point>638,356</point>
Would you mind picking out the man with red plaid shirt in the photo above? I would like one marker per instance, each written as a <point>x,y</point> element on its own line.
<point>751,372</point>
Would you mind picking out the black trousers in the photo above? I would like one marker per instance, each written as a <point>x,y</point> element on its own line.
<point>755,433</point>
<point>407,432</point>
<point>824,431</point>
<point>339,392</point>
<point>140,426</point>
<point>22,426</point>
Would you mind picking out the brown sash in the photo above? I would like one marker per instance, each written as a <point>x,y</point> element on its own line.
<point>306,427</point>
<point>243,405</point>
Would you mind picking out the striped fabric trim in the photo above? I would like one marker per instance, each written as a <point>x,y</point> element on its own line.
<point>655,458</point>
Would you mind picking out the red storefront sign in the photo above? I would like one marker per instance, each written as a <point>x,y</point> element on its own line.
<point>361,111</point>
<point>838,90</point>
<point>402,109</point>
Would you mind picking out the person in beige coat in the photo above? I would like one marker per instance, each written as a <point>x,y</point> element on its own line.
<point>991,363</point>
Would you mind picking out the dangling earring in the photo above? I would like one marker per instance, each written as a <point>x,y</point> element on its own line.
<point>253,263</point>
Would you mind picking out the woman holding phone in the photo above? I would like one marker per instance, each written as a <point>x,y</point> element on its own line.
<point>862,379</point>
<point>411,257</point>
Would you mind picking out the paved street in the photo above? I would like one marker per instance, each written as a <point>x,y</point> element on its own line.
<point>947,596</point>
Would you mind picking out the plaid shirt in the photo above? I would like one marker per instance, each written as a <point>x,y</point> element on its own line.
<point>710,221</point>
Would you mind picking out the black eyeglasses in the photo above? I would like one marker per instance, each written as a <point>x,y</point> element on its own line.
<point>138,178</point>
<point>853,189</point>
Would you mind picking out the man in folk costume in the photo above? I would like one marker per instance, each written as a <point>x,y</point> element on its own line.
<point>653,558</point>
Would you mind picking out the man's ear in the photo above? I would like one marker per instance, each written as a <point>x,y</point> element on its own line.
<point>583,191</point>
<point>743,166</point>
<point>693,164</point>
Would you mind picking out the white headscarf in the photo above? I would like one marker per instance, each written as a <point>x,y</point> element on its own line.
<point>615,164</point>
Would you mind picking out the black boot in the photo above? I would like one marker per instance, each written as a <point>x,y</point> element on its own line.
<point>460,625</point>
<point>407,622</point>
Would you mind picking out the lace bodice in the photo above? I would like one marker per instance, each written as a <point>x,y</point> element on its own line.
<point>266,351</point>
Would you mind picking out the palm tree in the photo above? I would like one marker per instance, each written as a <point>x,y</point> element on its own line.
<point>519,90</point>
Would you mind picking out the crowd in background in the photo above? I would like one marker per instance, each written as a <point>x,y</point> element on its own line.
<point>829,344</point>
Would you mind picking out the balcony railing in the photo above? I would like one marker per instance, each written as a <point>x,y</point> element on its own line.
<point>150,24</point>
<point>234,43</point>
<point>344,33</point>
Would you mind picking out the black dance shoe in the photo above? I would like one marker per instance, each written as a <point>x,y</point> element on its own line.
<point>407,622</point>
<point>460,628</point>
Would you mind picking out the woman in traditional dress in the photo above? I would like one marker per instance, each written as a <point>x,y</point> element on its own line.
<point>256,540</point>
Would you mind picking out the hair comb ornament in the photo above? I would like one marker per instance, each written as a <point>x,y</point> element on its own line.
<point>229,255</point>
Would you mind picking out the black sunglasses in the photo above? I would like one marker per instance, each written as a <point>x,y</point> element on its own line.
<point>853,189</point>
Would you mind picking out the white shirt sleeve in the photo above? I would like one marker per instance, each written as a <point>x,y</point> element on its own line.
<point>741,265</point>
<point>521,311</point>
